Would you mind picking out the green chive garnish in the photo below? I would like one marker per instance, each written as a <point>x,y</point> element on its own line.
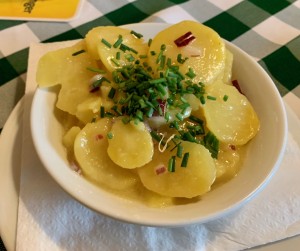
<point>102,112</point>
<point>155,136</point>
<point>185,159</point>
<point>179,150</point>
<point>211,97</point>
<point>171,164</point>
<point>191,74</point>
<point>78,52</point>
<point>106,43</point>
<point>149,42</point>
<point>153,53</point>
<point>96,70</point>
<point>138,35</point>
<point>110,135</point>
<point>112,93</point>
<point>115,62</point>
<point>225,98</point>
<point>179,116</point>
<point>202,99</point>
<point>118,55</point>
<point>118,42</point>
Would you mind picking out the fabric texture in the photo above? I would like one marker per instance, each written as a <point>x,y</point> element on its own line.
<point>267,30</point>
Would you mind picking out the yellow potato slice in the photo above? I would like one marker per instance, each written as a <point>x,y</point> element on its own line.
<point>69,137</point>
<point>206,53</point>
<point>108,54</point>
<point>193,180</point>
<point>233,121</point>
<point>228,162</point>
<point>60,67</point>
<point>131,145</point>
<point>226,74</point>
<point>90,149</point>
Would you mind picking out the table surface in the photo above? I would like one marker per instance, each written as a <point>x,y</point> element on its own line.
<point>267,30</point>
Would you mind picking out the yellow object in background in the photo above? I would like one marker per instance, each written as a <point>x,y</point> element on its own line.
<point>47,10</point>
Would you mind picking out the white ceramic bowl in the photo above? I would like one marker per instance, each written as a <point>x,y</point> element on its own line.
<point>265,152</point>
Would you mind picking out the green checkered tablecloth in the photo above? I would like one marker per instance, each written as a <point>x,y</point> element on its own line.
<point>267,30</point>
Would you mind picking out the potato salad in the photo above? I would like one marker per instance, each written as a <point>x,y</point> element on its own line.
<point>159,120</point>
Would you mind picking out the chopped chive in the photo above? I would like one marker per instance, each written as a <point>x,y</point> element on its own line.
<point>96,70</point>
<point>112,93</point>
<point>102,112</point>
<point>137,35</point>
<point>211,97</point>
<point>179,150</point>
<point>133,50</point>
<point>181,60</point>
<point>153,53</point>
<point>149,112</point>
<point>117,110</point>
<point>78,52</point>
<point>125,120</point>
<point>191,74</point>
<point>106,43</point>
<point>161,89</point>
<point>129,58</point>
<point>142,103</point>
<point>175,125</point>
<point>162,61</point>
<point>118,55</point>
<point>93,120</point>
<point>155,136</point>
<point>196,119</point>
<point>202,99</point>
<point>142,56</point>
<point>110,135</point>
<point>109,115</point>
<point>118,42</point>
<point>211,142</point>
<point>139,114</point>
<point>149,42</point>
<point>225,98</point>
<point>163,47</point>
<point>158,59</point>
<point>167,116</point>
<point>179,116</point>
<point>124,47</point>
<point>185,159</point>
<point>188,137</point>
<point>115,62</point>
<point>171,164</point>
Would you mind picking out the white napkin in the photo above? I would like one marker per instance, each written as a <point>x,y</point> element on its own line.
<point>49,219</point>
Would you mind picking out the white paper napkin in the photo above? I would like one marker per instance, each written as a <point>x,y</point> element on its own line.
<point>49,219</point>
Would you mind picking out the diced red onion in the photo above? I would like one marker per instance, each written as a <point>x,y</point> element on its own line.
<point>184,39</point>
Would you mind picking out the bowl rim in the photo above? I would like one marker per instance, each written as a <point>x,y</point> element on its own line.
<point>79,194</point>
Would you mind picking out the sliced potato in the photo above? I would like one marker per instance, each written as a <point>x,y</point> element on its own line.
<point>60,67</point>
<point>131,145</point>
<point>206,53</point>
<point>108,54</point>
<point>228,162</point>
<point>69,137</point>
<point>90,149</point>
<point>233,121</point>
<point>193,180</point>
<point>226,75</point>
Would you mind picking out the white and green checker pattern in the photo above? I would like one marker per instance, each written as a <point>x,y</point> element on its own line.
<point>267,30</point>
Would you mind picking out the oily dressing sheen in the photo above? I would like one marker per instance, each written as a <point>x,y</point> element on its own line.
<point>157,121</point>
